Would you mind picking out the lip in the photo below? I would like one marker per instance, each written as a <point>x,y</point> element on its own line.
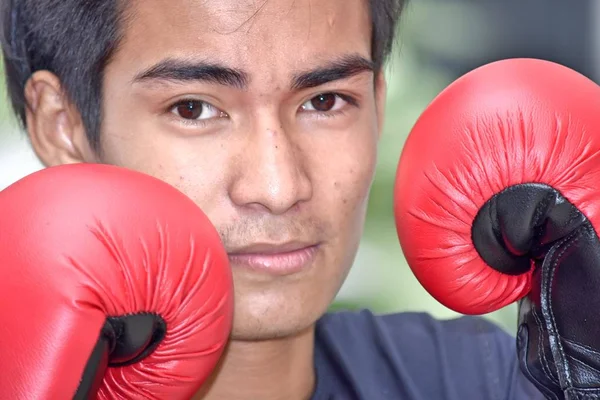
<point>275,259</point>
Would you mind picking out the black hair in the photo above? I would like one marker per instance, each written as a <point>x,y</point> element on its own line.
<point>75,40</point>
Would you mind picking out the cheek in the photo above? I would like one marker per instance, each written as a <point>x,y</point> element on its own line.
<point>348,174</point>
<point>181,162</point>
<point>345,197</point>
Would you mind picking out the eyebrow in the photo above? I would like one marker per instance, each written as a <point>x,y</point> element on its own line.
<point>342,68</point>
<point>175,70</point>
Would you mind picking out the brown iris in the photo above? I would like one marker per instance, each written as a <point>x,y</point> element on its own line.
<point>190,109</point>
<point>324,102</point>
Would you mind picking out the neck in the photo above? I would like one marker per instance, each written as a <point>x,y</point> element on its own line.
<point>267,370</point>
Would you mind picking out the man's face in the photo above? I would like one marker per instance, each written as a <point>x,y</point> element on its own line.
<point>266,114</point>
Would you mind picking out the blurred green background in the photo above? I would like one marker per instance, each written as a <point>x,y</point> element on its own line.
<point>439,40</point>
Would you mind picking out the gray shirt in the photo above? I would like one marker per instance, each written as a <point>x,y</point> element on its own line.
<point>412,356</point>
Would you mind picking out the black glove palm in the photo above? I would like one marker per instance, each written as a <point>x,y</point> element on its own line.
<point>559,321</point>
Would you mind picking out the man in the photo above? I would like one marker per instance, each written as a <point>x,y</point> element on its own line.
<point>266,114</point>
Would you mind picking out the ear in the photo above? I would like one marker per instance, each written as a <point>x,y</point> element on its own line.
<point>54,125</point>
<point>380,99</point>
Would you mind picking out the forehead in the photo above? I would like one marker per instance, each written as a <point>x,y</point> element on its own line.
<point>276,35</point>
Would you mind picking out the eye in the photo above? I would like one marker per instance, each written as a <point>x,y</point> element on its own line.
<point>196,110</point>
<point>325,102</point>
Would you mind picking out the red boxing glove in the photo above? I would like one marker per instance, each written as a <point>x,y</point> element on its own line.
<point>114,284</point>
<point>497,199</point>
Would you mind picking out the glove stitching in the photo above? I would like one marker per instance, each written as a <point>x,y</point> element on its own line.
<point>542,206</point>
<point>574,216</point>
<point>576,361</point>
<point>582,346</point>
<point>570,241</point>
<point>541,354</point>
<point>581,396</point>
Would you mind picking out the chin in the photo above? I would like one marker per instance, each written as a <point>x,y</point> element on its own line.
<point>276,314</point>
<point>284,306</point>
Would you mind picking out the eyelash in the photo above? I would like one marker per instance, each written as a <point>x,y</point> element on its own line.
<point>331,114</point>
<point>194,122</point>
<point>202,122</point>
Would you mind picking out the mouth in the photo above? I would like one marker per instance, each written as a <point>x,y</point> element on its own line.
<point>275,258</point>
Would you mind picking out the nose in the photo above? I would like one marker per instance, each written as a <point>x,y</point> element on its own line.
<point>271,172</point>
